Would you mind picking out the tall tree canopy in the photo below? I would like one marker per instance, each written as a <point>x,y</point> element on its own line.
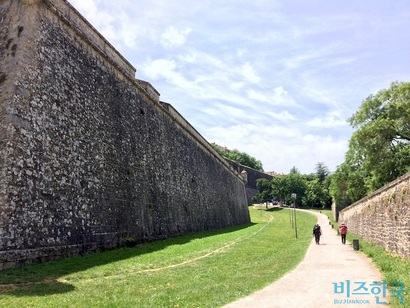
<point>239,157</point>
<point>379,149</point>
<point>317,188</point>
<point>321,171</point>
<point>381,143</point>
<point>311,190</point>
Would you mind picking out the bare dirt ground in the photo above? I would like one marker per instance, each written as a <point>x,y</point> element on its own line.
<point>317,280</point>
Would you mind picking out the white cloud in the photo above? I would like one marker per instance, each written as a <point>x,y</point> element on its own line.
<point>316,90</point>
<point>278,97</point>
<point>327,121</point>
<point>280,147</point>
<point>172,37</point>
<point>114,22</point>
<point>231,113</point>
<point>248,73</point>
<point>88,8</point>
<point>283,116</point>
<point>166,69</point>
<point>160,68</point>
<point>275,79</point>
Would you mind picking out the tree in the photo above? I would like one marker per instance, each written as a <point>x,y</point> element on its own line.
<point>264,190</point>
<point>317,188</point>
<point>294,170</point>
<point>347,185</point>
<point>295,183</point>
<point>279,188</point>
<point>240,157</point>
<point>311,190</point>
<point>321,172</point>
<point>380,147</point>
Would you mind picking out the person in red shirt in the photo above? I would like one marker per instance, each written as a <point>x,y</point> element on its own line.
<point>343,232</point>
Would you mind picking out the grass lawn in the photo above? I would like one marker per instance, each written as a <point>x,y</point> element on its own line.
<point>393,268</point>
<point>207,269</point>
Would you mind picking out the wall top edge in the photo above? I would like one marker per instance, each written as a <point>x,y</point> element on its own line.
<point>400,179</point>
<point>30,2</point>
<point>68,13</point>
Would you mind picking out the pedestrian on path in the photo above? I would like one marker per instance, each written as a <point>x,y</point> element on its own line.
<point>343,232</point>
<point>317,232</point>
<point>309,285</point>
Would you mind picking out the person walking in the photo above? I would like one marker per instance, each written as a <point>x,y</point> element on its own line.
<point>343,232</point>
<point>317,232</point>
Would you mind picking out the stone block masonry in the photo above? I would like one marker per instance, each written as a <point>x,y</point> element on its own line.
<point>383,217</point>
<point>252,176</point>
<point>89,157</point>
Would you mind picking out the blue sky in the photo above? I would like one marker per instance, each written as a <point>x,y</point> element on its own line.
<point>275,79</point>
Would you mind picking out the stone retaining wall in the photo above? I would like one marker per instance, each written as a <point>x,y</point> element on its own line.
<point>383,217</point>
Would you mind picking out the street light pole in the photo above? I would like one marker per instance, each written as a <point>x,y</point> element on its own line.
<point>294,213</point>
<point>291,216</point>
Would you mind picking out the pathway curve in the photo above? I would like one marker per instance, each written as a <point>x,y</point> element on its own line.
<point>310,284</point>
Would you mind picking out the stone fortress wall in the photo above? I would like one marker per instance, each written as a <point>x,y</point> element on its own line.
<point>89,156</point>
<point>252,176</point>
<point>383,217</point>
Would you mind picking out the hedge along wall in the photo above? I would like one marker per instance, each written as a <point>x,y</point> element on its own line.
<point>88,155</point>
<point>383,217</point>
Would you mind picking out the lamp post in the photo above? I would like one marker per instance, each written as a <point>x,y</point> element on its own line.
<point>291,216</point>
<point>294,213</point>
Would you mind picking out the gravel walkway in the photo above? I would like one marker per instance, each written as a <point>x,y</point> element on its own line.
<point>311,283</point>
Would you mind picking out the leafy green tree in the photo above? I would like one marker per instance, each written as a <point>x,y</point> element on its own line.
<point>317,195</point>
<point>347,185</point>
<point>284,186</point>
<point>379,149</point>
<point>264,190</point>
<point>311,190</point>
<point>294,170</point>
<point>321,172</point>
<point>279,188</point>
<point>317,188</point>
<point>240,157</point>
<point>313,195</point>
<point>380,146</point>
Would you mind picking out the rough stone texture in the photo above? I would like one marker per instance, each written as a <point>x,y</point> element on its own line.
<point>252,176</point>
<point>88,156</point>
<point>336,210</point>
<point>383,217</point>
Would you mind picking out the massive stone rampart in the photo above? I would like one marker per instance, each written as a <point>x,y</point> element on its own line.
<point>88,155</point>
<point>383,217</point>
<point>252,176</point>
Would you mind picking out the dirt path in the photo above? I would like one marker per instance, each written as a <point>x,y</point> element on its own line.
<point>311,283</point>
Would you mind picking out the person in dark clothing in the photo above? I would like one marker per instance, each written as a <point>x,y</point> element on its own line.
<point>317,232</point>
<point>343,232</point>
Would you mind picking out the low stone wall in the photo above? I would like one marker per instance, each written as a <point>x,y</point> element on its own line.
<point>383,217</point>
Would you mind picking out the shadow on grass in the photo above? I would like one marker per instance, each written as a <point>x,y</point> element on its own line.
<point>36,288</point>
<point>275,209</point>
<point>268,209</point>
<point>45,279</point>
